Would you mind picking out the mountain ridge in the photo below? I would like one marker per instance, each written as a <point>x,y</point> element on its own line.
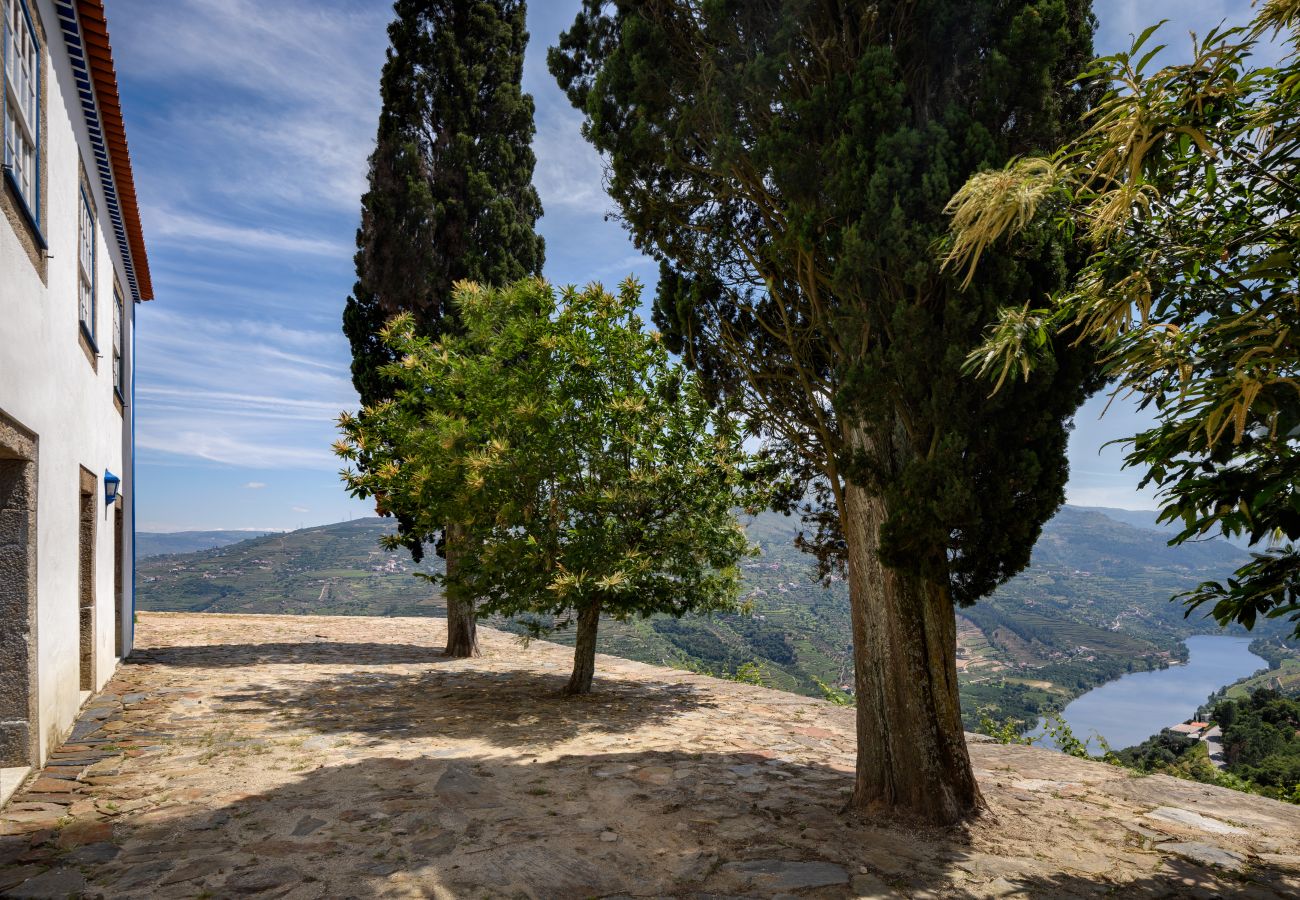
<point>149,544</point>
<point>1092,606</point>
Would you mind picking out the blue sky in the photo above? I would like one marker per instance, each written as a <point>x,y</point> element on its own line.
<point>249,124</point>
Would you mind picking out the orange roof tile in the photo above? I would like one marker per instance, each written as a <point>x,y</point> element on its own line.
<point>99,55</point>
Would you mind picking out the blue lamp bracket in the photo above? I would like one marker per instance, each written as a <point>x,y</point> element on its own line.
<point>111,484</point>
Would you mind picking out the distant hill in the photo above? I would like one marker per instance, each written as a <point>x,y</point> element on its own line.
<point>1148,519</point>
<point>1093,605</point>
<point>1100,541</point>
<point>160,543</point>
<point>335,569</point>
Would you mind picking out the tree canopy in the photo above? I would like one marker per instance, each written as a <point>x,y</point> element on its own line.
<point>451,194</point>
<point>450,198</point>
<point>590,471</point>
<point>1185,191</point>
<point>788,162</point>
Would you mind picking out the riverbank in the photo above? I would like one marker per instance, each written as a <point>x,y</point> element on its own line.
<point>1282,675</point>
<point>1125,712</point>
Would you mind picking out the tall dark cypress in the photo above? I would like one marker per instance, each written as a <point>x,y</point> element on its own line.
<point>451,194</point>
<point>788,163</point>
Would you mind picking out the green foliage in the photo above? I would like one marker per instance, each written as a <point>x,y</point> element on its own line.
<point>589,468</point>
<point>1184,189</point>
<point>1282,674</point>
<point>1007,731</point>
<point>751,673</point>
<point>755,673</point>
<point>787,162</point>
<point>1173,754</point>
<point>1261,740</point>
<point>1063,738</point>
<point>1261,747</point>
<point>1056,731</point>
<point>451,193</point>
<point>1017,705</point>
<point>832,693</point>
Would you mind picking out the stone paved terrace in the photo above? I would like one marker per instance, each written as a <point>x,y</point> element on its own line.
<point>280,756</point>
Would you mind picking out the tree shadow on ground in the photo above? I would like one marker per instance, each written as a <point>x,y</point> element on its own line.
<point>234,656</point>
<point>504,709</point>
<point>591,825</point>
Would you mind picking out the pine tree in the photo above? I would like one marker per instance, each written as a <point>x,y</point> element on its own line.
<point>788,162</point>
<point>450,198</point>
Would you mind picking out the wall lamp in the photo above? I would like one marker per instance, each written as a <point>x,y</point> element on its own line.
<point>111,483</point>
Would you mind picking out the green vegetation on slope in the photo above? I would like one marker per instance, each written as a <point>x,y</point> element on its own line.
<point>1283,674</point>
<point>1088,610</point>
<point>1261,747</point>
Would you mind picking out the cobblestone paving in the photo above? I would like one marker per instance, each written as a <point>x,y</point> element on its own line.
<point>282,756</point>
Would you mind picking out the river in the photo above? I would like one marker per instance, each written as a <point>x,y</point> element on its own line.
<point>1131,709</point>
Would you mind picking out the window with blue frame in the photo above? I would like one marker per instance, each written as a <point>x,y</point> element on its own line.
<point>86,266</point>
<point>22,89</point>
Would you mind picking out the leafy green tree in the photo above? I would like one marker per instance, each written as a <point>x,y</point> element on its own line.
<point>788,161</point>
<point>592,472</point>
<point>1185,190</point>
<point>1261,748</point>
<point>450,198</point>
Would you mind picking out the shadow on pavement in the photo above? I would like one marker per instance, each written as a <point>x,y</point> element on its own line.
<point>234,656</point>
<point>504,709</point>
<point>598,825</point>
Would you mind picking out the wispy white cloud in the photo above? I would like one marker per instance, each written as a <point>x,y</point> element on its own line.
<point>274,105</point>
<point>219,446</point>
<point>255,485</point>
<point>241,392</point>
<point>165,224</point>
<point>284,46</point>
<point>632,264</point>
<point>569,173</point>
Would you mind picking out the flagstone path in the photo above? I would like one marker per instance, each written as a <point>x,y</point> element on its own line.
<point>304,757</point>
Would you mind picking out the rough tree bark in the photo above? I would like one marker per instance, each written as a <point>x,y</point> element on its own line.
<point>911,744</point>
<point>462,623</point>
<point>584,650</point>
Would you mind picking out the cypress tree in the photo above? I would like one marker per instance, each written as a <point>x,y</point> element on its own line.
<point>788,162</point>
<point>450,199</point>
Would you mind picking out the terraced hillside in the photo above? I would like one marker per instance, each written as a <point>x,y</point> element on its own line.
<point>1093,605</point>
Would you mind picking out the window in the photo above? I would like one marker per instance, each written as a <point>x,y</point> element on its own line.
<point>119,338</point>
<point>21,93</point>
<point>86,267</point>
<point>91,492</point>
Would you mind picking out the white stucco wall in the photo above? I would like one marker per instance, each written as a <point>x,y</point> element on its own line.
<point>50,387</point>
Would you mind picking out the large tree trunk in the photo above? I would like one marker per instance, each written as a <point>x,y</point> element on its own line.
<point>462,624</point>
<point>584,650</point>
<point>912,758</point>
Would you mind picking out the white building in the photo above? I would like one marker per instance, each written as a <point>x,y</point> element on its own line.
<point>72,269</point>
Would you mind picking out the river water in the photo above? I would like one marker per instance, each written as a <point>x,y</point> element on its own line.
<point>1128,711</point>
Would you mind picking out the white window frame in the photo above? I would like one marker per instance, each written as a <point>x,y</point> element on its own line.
<point>86,254</point>
<point>119,340</point>
<point>21,97</point>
